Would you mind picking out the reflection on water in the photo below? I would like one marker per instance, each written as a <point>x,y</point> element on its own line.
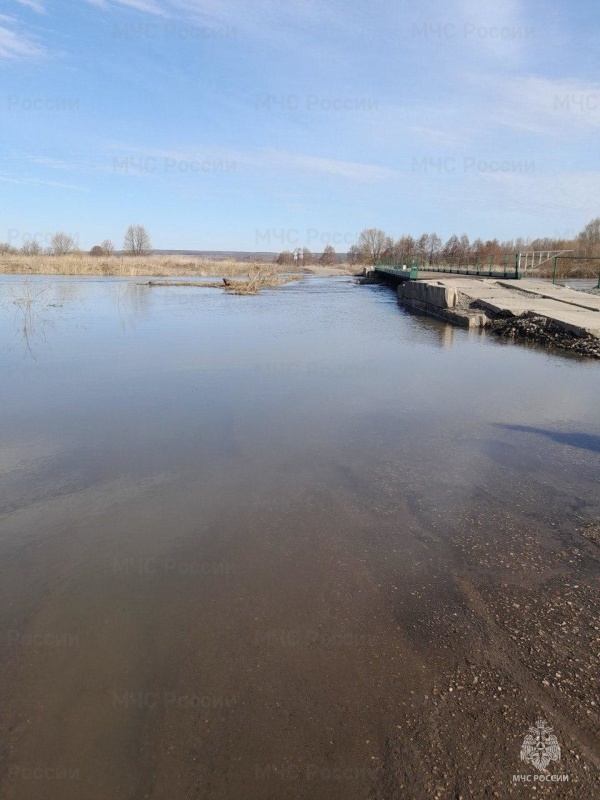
<point>191,480</point>
<point>132,299</point>
<point>29,301</point>
<point>447,335</point>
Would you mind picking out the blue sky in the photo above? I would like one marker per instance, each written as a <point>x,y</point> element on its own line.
<point>263,125</point>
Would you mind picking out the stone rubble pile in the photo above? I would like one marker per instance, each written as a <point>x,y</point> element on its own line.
<point>544,331</point>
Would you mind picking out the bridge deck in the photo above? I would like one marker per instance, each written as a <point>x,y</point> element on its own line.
<point>413,273</point>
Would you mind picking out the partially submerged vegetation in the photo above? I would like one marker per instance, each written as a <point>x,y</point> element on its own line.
<point>257,279</point>
<point>29,301</point>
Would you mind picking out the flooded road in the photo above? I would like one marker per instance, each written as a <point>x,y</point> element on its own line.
<point>298,545</point>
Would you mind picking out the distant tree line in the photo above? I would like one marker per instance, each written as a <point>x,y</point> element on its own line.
<point>136,242</point>
<point>375,245</point>
<point>302,256</point>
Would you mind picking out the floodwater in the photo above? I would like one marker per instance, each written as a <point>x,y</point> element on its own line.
<point>240,536</point>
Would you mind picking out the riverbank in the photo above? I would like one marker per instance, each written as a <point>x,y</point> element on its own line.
<point>151,266</point>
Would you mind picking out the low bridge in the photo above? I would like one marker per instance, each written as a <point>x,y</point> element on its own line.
<point>395,274</point>
<point>512,266</point>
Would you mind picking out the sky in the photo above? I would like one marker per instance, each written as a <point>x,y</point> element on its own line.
<point>261,125</point>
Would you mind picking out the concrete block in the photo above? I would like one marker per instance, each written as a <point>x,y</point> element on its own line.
<point>441,296</point>
<point>432,293</point>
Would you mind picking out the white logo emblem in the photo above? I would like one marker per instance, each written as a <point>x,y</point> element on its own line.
<point>540,746</point>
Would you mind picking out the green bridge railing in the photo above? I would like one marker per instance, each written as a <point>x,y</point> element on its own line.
<point>509,268</point>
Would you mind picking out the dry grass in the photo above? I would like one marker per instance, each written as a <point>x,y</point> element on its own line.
<point>153,266</point>
<point>143,266</point>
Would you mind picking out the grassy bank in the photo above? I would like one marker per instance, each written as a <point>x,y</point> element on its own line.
<point>152,266</point>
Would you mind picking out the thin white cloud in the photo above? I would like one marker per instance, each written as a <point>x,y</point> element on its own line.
<point>556,108</point>
<point>280,23</point>
<point>15,45</point>
<point>38,182</point>
<point>54,163</point>
<point>238,160</point>
<point>127,160</point>
<point>35,5</point>
<point>157,8</point>
<point>547,109</point>
<point>350,170</point>
<point>146,6</point>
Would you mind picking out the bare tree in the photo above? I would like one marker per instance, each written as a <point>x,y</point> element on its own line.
<point>404,249</point>
<point>355,256</point>
<point>97,251</point>
<point>7,249</point>
<point>589,238</point>
<point>285,258</point>
<point>307,256</point>
<point>422,248</point>
<point>435,247</point>
<point>328,256</point>
<point>465,246</point>
<point>478,248</point>
<point>31,248</point>
<point>137,241</point>
<point>374,244</point>
<point>61,244</point>
<point>108,247</point>
<point>452,248</point>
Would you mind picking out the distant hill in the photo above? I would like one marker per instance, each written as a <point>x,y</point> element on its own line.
<point>235,255</point>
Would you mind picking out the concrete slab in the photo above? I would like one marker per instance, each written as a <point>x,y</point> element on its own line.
<point>551,291</point>
<point>570,310</point>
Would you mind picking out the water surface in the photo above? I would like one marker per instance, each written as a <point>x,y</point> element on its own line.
<point>226,524</point>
